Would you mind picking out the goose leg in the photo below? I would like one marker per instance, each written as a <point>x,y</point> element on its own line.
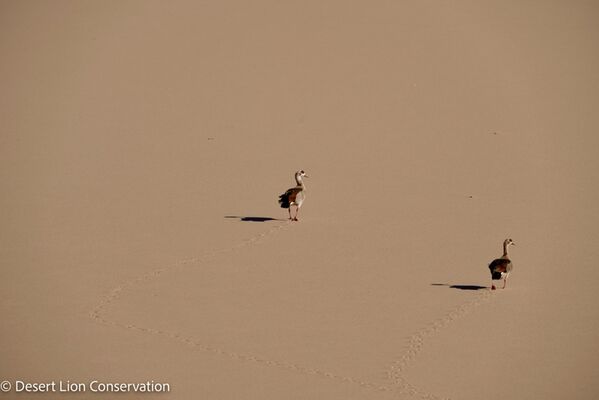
<point>296,212</point>
<point>289,209</point>
<point>504,282</point>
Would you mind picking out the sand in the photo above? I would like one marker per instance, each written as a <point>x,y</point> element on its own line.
<point>143,145</point>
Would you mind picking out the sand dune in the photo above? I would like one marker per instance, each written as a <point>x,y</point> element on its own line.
<point>143,147</point>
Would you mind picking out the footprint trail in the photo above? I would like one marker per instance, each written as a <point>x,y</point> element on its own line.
<point>397,383</point>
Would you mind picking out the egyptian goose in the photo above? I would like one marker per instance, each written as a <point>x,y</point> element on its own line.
<point>501,267</point>
<point>294,196</point>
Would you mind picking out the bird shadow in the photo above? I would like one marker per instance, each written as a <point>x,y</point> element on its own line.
<point>461,287</point>
<point>252,219</point>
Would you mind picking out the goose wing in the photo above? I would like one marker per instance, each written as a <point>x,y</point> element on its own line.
<point>289,197</point>
<point>500,265</point>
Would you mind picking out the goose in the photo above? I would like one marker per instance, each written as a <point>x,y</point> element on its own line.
<point>501,267</point>
<point>294,196</point>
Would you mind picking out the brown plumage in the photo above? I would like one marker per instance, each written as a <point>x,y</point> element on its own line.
<point>294,196</point>
<point>501,267</point>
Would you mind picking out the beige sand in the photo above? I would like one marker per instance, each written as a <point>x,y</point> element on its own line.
<point>431,131</point>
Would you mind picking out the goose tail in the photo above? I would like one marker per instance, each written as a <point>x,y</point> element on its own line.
<point>284,200</point>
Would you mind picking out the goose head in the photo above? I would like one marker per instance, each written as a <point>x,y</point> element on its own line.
<point>299,175</point>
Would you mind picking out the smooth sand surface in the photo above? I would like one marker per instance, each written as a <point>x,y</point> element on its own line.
<point>138,137</point>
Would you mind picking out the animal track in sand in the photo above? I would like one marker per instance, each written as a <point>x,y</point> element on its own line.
<point>116,292</point>
<point>417,341</point>
<point>395,373</point>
